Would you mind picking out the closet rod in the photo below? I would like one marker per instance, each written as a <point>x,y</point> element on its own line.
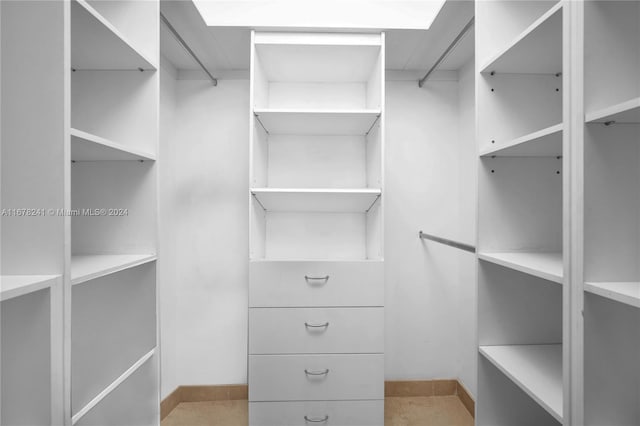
<point>452,46</point>
<point>187,48</point>
<point>455,244</point>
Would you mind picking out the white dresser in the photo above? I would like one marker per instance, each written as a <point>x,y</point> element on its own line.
<point>316,281</point>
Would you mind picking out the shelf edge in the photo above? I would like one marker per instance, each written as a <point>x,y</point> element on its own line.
<point>118,268</point>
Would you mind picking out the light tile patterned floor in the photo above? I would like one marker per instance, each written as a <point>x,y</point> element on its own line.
<point>399,411</point>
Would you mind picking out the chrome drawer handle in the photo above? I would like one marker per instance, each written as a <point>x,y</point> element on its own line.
<point>316,373</point>
<point>313,280</point>
<point>325,325</point>
<point>311,420</point>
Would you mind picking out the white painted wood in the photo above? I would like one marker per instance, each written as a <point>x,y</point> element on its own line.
<point>112,342</point>
<point>612,54</point>
<point>516,308</point>
<point>543,143</point>
<point>501,402</point>
<point>19,285</point>
<point>260,156</point>
<point>315,199</point>
<point>257,229</point>
<point>611,353</point>
<point>547,266</point>
<point>374,157</point>
<point>612,202</point>
<point>102,395</point>
<point>119,106</point>
<point>298,161</point>
<point>316,330</point>
<point>126,191</point>
<point>319,95</point>
<point>536,369</point>
<point>25,350</point>
<point>317,39</point>
<point>375,231</point>
<point>314,236</point>
<point>499,23</point>
<point>623,292</point>
<point>353,413</point>
<point>88,147</point>
<point>89,267</point>
<point>283,377</point>
<point>283,284</point>
<point>538,49</point>
<point>97,45</point>
<point>317,122</point>
<point>136,20</point>
<point>624,112</point>
<point>134,402</point>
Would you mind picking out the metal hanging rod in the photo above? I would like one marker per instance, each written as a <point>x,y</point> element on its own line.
<point>455,244</point>
<point>187,48</point>
<point>452,46</point>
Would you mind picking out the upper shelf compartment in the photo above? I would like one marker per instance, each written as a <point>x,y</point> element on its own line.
<point>316,121</point>
<point>316,71</point>
<point>537,50</point>
<point>96,44</point>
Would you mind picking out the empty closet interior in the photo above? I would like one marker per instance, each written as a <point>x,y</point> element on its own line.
<point>320,204</point>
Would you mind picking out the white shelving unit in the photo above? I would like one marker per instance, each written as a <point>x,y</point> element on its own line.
<point>316,217</point>
<point>521,131</point>
<point>79,206</point>
<point>611,212</point>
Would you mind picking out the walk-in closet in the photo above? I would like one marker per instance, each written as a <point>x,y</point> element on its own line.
<point>305,212</point>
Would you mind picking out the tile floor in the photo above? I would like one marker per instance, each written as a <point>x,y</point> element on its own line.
<point>399,411</point>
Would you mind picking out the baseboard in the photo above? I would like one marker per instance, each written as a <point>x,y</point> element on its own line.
<point>391,389</point>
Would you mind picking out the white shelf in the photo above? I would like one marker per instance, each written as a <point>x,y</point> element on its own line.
<point>97,45</point>
<point>623,292</point>
<point>88,147</point>
<point>317,122</point>
<point>536,369</point>
<point>543,143</point>
<point>88,267</point>
<point>18,285</point>
<point>537,50</point>
<point>316,200</point>
<point>624,112</point>
<point>544,265</point>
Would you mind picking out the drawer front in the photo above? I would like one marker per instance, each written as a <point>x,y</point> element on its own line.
<point>316,377</point>
<point>316,330</point>
<point>316,283</point>
<point>336,413</point>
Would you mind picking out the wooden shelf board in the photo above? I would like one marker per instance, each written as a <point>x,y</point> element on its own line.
<point>88,267</point>
<point>546,265</point>
<point>623,292</point>
<point>624,112</point>
<point>316,200</point>
<point>536,369</point>
<point>317,122</point>
<point>88,147</point>
<point>537,50</point>
<point>543,143</point>
<point>97,45</point>
<point>18,285</point>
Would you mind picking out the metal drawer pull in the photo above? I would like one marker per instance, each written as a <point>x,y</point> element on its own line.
<point>322,420</point>
<point>311,280</point>
<point>316,373</point>
<point>325,325</point>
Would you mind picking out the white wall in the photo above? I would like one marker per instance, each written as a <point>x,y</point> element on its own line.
<point>430,185</point>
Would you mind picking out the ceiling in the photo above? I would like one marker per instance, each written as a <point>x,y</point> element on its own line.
<point>227,49</point>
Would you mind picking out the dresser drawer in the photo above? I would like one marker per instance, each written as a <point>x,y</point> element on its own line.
<point>336,413</point>
<point>316,330</point>
<point>316,283</point>
<point>316,377</point>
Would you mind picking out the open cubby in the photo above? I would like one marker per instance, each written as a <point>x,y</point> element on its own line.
<point>114,186</point>
<point>317,71</point>
<point>612,31</point>
<point>611,354</point>
<point>105,345</point>
<point>134,402</point>
<point>26,380</point>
